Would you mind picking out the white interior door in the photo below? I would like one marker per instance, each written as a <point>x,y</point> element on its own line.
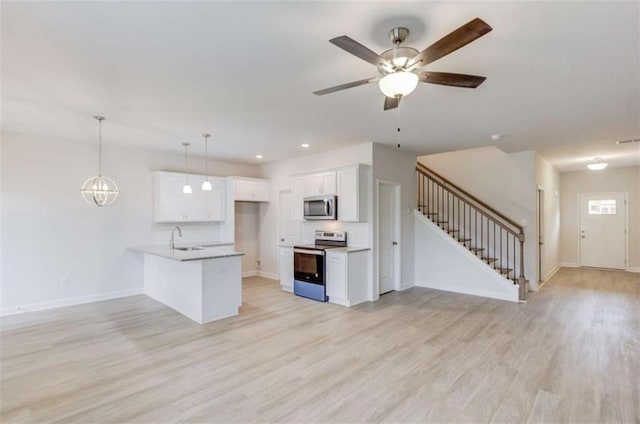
<point>289,226</point>
<point>388,228</point>
<point>602,230</point>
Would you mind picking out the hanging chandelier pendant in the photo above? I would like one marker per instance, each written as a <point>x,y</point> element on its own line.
<point>99,190</point>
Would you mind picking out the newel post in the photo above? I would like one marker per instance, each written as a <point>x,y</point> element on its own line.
<point>522,282</point>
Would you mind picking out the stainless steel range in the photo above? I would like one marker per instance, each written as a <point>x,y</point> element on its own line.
<point>309,264</point>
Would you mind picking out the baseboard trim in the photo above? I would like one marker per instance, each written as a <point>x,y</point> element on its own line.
<point>551,274</point>
<point>268,275</point>
<point>406,287</point>
<point>71,301</point>
<point>246,274</point>
<point>633,269</point>
<point>569,264</point>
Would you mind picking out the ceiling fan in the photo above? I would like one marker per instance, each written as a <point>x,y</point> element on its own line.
<point>399,67</point>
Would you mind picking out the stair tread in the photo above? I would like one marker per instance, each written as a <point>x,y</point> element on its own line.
<point>476,249</point>
<point>452,230</point>
<point>442,222</point>
<point>430,213</point>
<point>489,259</point>
<point>464,240</point>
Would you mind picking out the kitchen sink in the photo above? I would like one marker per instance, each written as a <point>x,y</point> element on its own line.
<point>189,248</point>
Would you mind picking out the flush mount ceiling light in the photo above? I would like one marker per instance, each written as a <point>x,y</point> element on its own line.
<point>187,188</point>
<point>597,164</point>
<point>259,156</point>
<point>206,185</point>
<point>99,190</point>
<point>305,145</point>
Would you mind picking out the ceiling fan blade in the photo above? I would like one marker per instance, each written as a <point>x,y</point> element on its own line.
<point>449,43</point>
<point>391,102</point>
<point>352,46</point>
<point>344,86</point>
<point>454,80</point>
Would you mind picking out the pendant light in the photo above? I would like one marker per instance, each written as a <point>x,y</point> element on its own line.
<point>206,185</point>
<point>187,188</point>
<point>99,190</point>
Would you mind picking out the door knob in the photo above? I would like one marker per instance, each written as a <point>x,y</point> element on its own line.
<point>395,243</point>
<point>582,237</point>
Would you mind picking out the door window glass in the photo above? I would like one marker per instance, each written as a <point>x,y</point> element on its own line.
<point>602,207</point>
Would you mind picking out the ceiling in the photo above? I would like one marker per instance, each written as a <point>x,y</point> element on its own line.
<point>563,77</point>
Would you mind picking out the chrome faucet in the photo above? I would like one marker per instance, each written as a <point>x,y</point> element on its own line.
<point>173,233</point>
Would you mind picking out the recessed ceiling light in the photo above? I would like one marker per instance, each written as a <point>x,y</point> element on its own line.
<point>496,137</point>
<point>305,144</point>
<point>258,156</point>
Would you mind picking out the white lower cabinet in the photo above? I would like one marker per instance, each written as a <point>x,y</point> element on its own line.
<point>286,268</point>
<point>347,277</point>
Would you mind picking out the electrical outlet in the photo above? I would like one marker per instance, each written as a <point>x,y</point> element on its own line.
<point>258,263</point>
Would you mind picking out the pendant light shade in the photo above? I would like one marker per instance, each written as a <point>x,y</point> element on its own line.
<point>206,185</point>
<point>187,188</point>
<point>99,190</point>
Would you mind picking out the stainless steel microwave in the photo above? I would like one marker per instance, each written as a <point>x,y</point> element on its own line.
<point>321,207</point>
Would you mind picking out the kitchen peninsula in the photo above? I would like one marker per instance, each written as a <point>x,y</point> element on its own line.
<point>203,283</point>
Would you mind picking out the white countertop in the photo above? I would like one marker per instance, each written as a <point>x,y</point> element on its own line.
<point>191,255</point>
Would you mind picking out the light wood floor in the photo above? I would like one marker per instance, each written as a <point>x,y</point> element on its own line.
<point>571,354</point>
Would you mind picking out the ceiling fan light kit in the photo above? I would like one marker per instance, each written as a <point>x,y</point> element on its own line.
<point>398,84</point>
<point>99,190</point>
<point>399,67</point>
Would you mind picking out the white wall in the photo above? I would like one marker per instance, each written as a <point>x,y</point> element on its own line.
<point>548,178</point>
<point>246,235</point>
<point>279,175</point>
<point>392,164</point>
<point>506,182</point>
<point>608,180</point>
<point>55,247</point>
<point>447,265</point>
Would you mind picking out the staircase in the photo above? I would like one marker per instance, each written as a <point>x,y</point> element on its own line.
<point>485,232</point>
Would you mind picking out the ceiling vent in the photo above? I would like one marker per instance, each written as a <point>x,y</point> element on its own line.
<point>635,140</point>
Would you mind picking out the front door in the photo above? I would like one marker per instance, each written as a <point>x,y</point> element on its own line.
<point>388,227</point>
<point>602,230</point>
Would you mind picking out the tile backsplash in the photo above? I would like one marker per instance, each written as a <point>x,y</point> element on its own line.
<point>357,232</point>
<point>192,232</point>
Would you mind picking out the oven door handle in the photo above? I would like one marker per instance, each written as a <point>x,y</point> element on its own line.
<point>309,252</point>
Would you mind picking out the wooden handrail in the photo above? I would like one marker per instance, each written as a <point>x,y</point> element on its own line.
<point>424,170</point>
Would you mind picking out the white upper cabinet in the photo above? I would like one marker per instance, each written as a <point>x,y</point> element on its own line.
<point>250,189</point>
<point>350,183</point>
<point>216,200</point>
<point>321,183</point>
<point>170,204</point>
<point>353,188</point>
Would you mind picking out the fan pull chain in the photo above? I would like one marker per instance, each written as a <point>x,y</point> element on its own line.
<point>398,132</point>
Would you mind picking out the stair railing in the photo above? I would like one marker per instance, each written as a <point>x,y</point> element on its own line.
<point>494,237</point>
